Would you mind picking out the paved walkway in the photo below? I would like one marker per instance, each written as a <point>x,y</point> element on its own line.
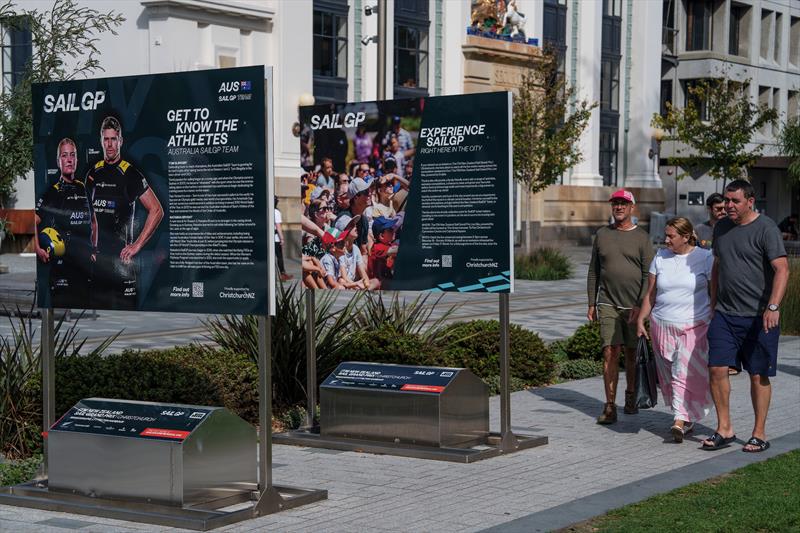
<point>585,470</point>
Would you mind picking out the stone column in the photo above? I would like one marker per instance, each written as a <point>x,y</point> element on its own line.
<point>587,172</point>
<point>645,91</point>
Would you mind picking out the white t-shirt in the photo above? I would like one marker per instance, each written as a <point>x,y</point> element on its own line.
<point>682,283</point>
<point>331,265</point>
<point>349,261</point>
<point>278,220</point>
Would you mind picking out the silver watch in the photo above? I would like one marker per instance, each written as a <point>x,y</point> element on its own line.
<point>772,307</point>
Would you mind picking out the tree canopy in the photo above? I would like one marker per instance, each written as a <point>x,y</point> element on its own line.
<point>64,46</point>
<point>548,122</point>
<point>716,129</point>
<point>790,146</point>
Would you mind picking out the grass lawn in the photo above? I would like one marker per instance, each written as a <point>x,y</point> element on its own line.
<point>759,497</point>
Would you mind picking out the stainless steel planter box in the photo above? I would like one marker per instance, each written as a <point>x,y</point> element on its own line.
<point>431,406</point>
<point>164,453</point>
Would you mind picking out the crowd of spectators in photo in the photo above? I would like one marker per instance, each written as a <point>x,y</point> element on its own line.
<point>353,210</point>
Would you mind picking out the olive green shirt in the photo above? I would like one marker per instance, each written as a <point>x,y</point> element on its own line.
<point>619,267</point>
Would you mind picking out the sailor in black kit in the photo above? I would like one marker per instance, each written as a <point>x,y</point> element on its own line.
<point>114,187</point>
<point>65,207</point>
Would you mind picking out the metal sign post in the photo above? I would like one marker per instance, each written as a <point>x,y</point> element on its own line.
<point>269,501</point>
<point>47,350</point>
<point>508,442</point>
<point>311,360</point>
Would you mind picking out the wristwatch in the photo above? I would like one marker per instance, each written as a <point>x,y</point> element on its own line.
<point>772,307</point>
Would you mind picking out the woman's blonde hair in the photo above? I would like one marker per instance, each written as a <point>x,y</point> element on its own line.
<point>684,228</point>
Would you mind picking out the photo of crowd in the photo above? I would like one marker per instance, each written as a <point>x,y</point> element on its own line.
<point>354,188</point>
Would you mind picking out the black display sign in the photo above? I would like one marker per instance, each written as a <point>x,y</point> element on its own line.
<point>393,377</point>
<point>152,192</point>
<point>132,419</point>
<point>427,204</point>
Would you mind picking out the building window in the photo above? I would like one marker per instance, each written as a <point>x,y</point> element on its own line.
<point>612,8</point>
<point>766,33</point>
<point>794,41</point>
<point>666,96</point>
<point>330,50</point>
<point>668,31</point>
<point>608,157</point>
<point>554,30</point>
<point>609,85</point>
<point>16,52</point>
<point>792,105</point>
<point>411,48</point>
<point>735,41</point>
<point>693,100</point>
<point>776,48</point>
<point>764,96</point>
<point>698,25</point>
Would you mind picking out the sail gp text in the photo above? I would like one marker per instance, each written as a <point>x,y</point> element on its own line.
<point>235,97</point>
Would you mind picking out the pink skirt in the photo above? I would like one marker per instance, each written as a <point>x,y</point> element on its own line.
<point>682,364</point>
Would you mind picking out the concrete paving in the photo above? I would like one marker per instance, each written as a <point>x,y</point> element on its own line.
<point>585,469</point>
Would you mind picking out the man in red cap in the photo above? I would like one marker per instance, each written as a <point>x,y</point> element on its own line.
<point>616,284</point>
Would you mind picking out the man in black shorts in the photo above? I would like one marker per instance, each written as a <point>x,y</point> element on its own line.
<point>114,186</point>
<point>748,280</point>
<point>65,208</point>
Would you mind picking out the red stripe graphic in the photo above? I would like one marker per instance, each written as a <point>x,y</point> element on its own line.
<point>166,433</point>
<point>422,388</point>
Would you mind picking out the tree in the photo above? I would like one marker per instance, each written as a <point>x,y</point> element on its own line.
<point>790,146</point>
<point>716,127</point>
<point>548,121</point>
<point>64,41</point>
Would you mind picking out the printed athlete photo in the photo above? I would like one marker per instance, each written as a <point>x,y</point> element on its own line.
<point>116,189</point>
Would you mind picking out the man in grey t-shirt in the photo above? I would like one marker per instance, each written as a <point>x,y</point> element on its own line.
<point>747,285</point>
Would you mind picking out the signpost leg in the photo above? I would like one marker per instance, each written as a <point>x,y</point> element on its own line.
<point>508,441</point>
<point>269,500</point>
<point>311,360</point>
<point>48,377</point>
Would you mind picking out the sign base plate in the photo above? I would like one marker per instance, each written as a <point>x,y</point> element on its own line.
<point>492,447</point>
<point>203,517</point>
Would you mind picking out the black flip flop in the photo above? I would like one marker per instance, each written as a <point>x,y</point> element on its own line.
<point>760,445</point>
<point>718,441</point>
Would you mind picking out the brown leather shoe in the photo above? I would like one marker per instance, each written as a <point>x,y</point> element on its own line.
<point>630,403</point>
<point>609,415</point>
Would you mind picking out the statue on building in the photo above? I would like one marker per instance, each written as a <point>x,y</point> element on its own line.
<point>513,20</point>
<point>485,15</point>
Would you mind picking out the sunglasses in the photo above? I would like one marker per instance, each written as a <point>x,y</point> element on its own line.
<point>365,192</point>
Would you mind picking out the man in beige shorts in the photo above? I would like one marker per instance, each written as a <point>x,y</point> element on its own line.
<point>616,284</point>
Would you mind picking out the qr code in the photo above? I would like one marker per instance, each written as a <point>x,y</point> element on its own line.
<point>197,289</point>
<point>447,260</point>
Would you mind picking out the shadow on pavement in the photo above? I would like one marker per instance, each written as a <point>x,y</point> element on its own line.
<point>655,422</point>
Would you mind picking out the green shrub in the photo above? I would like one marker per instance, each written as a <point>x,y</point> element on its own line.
<point>558,349</point>
<point>20,471</point>
<point>476,345</point>
<point>386,344</point>
<point>790,306</point>
<point>20,361</point>
<point>585,343</point>
<point>515,384</point>
<point>543,264</point>
<point>187,375</point>
<point>579,369</point>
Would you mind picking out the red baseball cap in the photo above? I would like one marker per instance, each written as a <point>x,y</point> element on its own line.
<point>622,194</point>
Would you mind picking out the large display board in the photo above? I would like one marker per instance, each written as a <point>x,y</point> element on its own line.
<point>410,194</point>
<point>152,192</point>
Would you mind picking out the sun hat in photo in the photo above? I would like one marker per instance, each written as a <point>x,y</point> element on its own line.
<point>333,235</point>
<point>624,195</point>
<point>346,222</point>
<point>381,224</point>
<point>356,186</point>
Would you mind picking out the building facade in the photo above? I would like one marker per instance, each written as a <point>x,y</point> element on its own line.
<point>753,41</point>
<point>610,49</point>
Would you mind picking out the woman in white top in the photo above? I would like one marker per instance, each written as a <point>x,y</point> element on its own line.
<point>678,296</point>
